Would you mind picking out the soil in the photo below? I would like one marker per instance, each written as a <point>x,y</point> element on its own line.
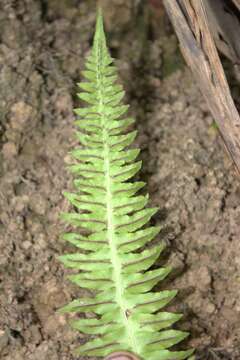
<point>43,44</point>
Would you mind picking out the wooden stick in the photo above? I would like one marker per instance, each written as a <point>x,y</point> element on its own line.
<point>237,4</point>
<point>196,42</point>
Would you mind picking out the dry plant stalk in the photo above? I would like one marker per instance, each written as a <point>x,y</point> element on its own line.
<point>191,24</point>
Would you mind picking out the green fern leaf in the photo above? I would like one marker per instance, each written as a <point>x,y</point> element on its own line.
<point>114,218</point>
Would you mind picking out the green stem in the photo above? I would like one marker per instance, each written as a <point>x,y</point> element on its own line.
<point>116,262</point>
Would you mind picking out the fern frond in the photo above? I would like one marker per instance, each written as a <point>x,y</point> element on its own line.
<point>110,259</point>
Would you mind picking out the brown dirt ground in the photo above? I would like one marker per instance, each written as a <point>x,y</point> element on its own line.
<point>189,176</point>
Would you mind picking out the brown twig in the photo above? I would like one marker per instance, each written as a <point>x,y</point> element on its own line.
<point>190,21</point>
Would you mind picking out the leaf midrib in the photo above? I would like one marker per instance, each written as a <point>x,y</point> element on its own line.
<point>115,259</point>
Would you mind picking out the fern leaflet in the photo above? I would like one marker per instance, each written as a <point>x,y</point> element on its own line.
<point>112,262</point>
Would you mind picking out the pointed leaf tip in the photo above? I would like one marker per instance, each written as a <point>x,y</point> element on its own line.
<point>99,43</point>
<point>99,11</point>
<point>99,22</point>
